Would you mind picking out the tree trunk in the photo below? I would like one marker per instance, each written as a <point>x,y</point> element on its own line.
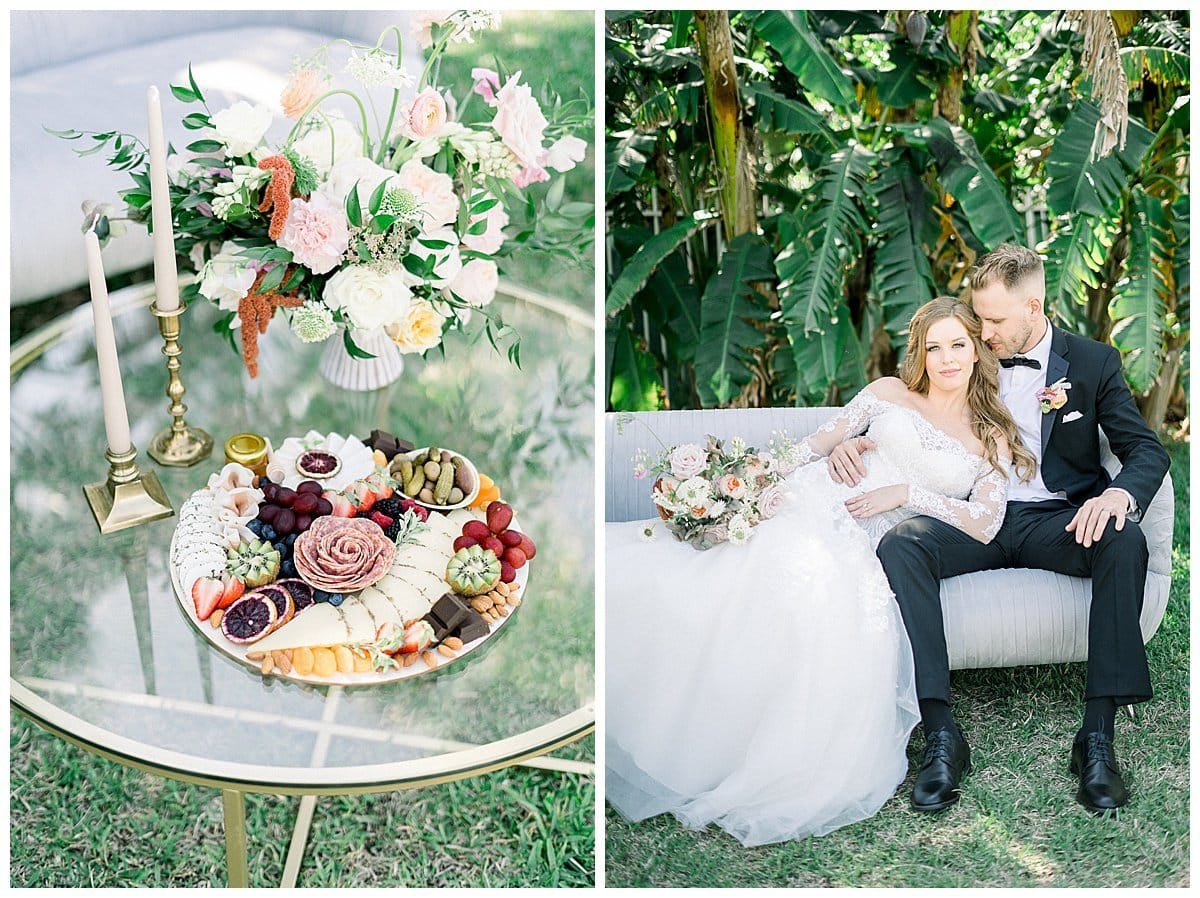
<point>730,135</point>
<point>962,30</point>
<point>1158,401</point>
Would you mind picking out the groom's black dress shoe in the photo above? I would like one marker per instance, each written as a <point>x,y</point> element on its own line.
<point>947,759</point>
<point>1094,761</point>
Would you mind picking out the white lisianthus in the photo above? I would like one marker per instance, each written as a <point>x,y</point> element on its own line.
<point>369,298</point>
<point>226,278</point>
<point>357,170</point>
<point>693,492</point>
<point>241,127</point>
<point>688,460</point>
<point>739,530</point>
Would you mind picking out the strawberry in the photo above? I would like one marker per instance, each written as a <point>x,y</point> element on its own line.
<point>417,636</point>
<point>362,494</point>
<point>233,589</point>
<point>381,483</point>
<point>342,506</point>
<point>206,593</point>
<point>499,516</point>
<point>419,510</point>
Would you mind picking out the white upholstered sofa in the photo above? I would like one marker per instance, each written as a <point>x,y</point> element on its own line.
<point>999,618</point>
<point>89,70</point>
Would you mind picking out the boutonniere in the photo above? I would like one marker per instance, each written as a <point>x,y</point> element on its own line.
<point>1054,396</point>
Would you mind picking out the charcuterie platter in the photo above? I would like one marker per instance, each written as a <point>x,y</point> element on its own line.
<point>349,562</point>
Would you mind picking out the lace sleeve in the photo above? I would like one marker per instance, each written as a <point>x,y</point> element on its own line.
<point>979,515</point>
<point>849,421</point>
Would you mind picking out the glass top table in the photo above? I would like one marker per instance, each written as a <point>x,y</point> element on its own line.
<point>102,654</point>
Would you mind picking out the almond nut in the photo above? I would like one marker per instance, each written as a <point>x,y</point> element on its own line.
<point>481,603</point>
<point>268,665</point>
<point>445,651</point>
<point>502,610</point>
<point>503,588</point>
<point>409,660</point>
<point>453,642</point>
<point>255,656</point>
<point>514,601</point>
<point>283,662</point>
<point>430,659</point>
<point>215,618</point>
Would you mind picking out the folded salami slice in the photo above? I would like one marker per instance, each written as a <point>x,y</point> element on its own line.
<point>343,554</point>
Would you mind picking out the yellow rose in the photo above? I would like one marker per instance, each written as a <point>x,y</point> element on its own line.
<point>419,330</point>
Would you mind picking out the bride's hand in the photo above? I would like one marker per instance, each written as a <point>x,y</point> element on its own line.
<point>877,501</point>
<point>845,463</point>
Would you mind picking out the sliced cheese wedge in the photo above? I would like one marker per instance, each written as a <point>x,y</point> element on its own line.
<point>381,607</point>
<point>401,580</point>
<point>360,624</point>
<point>319,624</point>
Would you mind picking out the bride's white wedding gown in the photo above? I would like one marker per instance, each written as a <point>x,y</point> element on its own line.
<point>768,688</point>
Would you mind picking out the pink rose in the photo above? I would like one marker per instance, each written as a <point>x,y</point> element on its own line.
<point>519,121</point>
<point>300,92</point>
<point>564,153</point>
<point>489,241</point>
<point>688,460</point>
<point>316,233</point>
<point>477,282</point>
<point>424,117</point>
<point>732,486</point>
<point>770,501</point>
<point>434,192</point>
<point>487,83</point>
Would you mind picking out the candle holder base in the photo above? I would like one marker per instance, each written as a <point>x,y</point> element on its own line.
<point>180,448</point>
<point>128,497</point>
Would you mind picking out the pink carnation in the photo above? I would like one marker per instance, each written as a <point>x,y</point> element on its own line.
<point>487,83</point>
<point>530,175</point>
<point>316,233</point>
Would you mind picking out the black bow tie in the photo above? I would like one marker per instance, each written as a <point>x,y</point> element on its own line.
<point>1013,361</point>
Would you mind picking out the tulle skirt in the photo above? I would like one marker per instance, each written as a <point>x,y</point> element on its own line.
<point>766,688</point>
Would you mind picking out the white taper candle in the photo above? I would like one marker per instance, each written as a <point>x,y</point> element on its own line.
<point>112,393</point>
<point>166,279</point>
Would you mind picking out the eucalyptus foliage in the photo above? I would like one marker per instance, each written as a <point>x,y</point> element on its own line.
<point>889,150</point>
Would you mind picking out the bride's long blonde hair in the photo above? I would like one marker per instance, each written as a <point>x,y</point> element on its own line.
<point>988,414</point>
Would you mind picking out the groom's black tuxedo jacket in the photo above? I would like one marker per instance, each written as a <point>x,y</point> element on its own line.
<point>1071,449</point>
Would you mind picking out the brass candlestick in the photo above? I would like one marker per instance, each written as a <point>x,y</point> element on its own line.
<point>180,445</point>
<point>128,497</point>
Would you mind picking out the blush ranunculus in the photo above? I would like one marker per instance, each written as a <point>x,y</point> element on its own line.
<point>424,117</point>
<point>316,232</point>
<point>300,92</point>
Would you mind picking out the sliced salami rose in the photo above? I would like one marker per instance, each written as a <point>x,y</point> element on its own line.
<point>343,554</point>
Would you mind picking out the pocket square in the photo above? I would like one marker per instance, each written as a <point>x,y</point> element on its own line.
<point>1074,416</point>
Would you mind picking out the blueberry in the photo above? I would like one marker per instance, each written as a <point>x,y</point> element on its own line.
<point>336,599</point>
<point>263,481</point>
<point>255,527</point>
<point>268,533</point>
<point>320,595</point>
<point>291,539</point>
<point>288,568</point>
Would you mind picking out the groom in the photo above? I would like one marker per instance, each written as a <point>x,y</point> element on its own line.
<point>1071,518</point>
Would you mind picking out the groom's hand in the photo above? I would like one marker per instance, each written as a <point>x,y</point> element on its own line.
<point>845,461</point>
<point>1093,516</point>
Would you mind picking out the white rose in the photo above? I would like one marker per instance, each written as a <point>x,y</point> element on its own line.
<point>434,192</point>
<point>325,147</point>
<point>477,282</point>
<point>226,278</point>
<point>489,241</point>
<point>449,261</point>
<point>688,460</point>
<point>564,153</point>
<point>370,299</point>
<point>360,169</point>
<point>241,127</point>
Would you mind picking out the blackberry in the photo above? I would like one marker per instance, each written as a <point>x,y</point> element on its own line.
<point>391,507</point>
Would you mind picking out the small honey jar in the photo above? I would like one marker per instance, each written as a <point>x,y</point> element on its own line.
<point>249,450</point>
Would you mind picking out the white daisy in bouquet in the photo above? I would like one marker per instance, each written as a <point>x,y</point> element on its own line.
<point>393,220</point>
<point>718,492</point>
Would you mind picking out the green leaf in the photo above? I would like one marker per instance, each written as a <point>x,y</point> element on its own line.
<point>634,384</point>
<point>353,209</point>
<point>205,146</point>
<point>183,94</point>
<point>625,159</point>
<point>776,112</point>
<point>195,87</point>
<point>1139,303</point>
<point>812,267</point>
<point>968,178</point>
<point>272,279</point>
<point>352,348</point>
<point>901,277</point>
<point>1074,257</point>
<point>830,361</point>
<point>639,268</point>
<point>790,35</point>
<point>901,87</point>
<point>727,309</point>
<point>1162,66</point>
<point>376,199</point>
<point>196,120</point>
<point>1077,185</point>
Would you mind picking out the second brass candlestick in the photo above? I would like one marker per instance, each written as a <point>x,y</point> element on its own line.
<point>180,445</point>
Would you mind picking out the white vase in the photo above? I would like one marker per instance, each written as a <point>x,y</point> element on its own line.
<point>343,370</point>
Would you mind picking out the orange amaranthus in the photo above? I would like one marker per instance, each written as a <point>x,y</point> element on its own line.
<point>256,310</point>
<point>279,193</point>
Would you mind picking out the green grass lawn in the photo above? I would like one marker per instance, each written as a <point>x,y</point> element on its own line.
<point>1017,824</point>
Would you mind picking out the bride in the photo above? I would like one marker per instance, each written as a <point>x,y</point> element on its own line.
<point>768,687</point>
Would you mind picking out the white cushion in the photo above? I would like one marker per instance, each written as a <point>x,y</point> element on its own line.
<point>998,618</point>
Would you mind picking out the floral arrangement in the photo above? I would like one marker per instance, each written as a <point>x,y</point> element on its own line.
<point>1053,397</point>
<point>717,492</point>
<point>349,230</point>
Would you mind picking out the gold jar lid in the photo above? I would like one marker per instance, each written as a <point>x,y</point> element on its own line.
<point>247,449</point>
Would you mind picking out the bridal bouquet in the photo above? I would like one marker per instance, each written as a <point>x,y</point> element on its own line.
<point>352,229</point>
<point>717,492</point>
